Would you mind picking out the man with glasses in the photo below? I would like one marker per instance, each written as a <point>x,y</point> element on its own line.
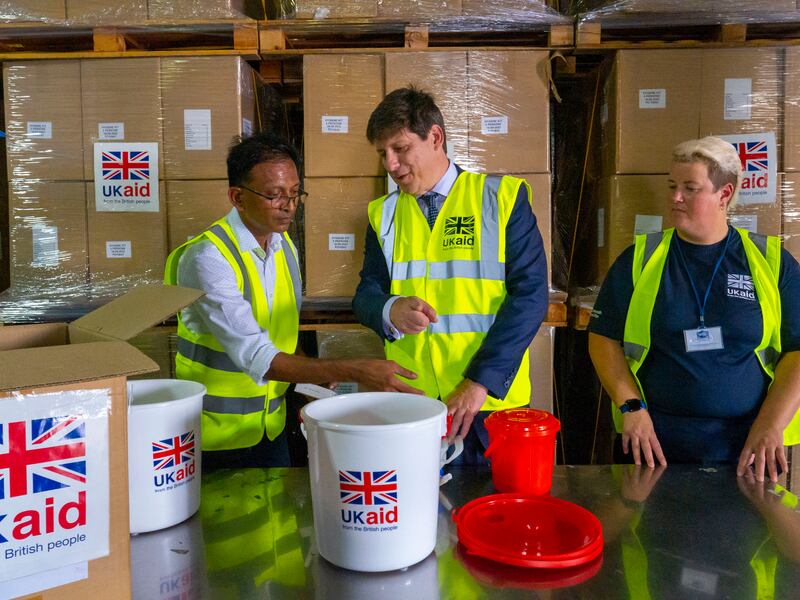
<point>239,339</point>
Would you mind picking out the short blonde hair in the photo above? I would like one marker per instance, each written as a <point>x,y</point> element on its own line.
<point>719,156</point>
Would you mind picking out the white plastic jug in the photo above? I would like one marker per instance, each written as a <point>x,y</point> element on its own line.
<point>163,452</point>
<point>374,461</point>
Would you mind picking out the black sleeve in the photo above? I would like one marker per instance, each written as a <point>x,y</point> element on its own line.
<point>611,308</point>
<point>789,287</point>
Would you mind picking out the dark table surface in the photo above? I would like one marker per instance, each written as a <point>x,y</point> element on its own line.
<point>679,532</point>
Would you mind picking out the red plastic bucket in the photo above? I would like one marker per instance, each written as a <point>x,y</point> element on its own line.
<point>522,445</point>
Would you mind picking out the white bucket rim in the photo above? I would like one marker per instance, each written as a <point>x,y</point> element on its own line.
<point>197,389</point>
<point>330,425</point>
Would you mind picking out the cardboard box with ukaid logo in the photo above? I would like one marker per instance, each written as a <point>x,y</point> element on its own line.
<point>64,527</point>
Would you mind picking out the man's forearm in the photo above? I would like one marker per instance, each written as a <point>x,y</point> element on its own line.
<point>302,369</point>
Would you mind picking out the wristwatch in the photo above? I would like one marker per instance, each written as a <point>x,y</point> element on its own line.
<point>632,405</point>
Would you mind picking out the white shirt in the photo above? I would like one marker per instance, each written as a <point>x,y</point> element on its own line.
<point>223,311</point>
<point>442,187</point>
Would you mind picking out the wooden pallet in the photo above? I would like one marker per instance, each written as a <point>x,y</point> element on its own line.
<point>330,314</point>
<point>686,30</point>
<point>307,37</point>
<point>23,41</point>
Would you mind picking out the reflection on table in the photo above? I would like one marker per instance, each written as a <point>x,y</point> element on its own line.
<point>679,532</point>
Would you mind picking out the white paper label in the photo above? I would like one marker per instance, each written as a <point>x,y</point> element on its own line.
<point>647,224</point>
<point>653,98</point>
<point>494,125</point>
<point>346,387</point>
<point>45,246</point>
<point>43,580</point>
<point>247,127</point>
<point>58,481</point>
<point>699,581</point>
<point>126,177</point>
<point>759,158</point>
<point>738,99</point>
<point>342,241</point>
<point>40,129</point>
<point>197,129</point>
<point>601,227</point>
<point>110,131</point>
<point>748,222</point>
<point>334,124</point>
<point>118,250</point>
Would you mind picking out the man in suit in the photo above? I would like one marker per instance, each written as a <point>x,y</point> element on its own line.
<point>455,274</point>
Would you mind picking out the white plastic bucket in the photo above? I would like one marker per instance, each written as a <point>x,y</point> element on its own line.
<point>374,461</point>
<point>163,452</point>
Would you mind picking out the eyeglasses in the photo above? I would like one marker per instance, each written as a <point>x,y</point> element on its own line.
<point>280,200</point>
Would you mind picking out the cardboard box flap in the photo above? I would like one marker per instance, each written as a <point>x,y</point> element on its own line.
<point>140,308</point>
<point>72,363</point>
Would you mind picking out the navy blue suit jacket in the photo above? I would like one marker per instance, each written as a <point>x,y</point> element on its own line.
<point>495,364</point>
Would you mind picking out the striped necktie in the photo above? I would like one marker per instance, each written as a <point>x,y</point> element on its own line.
<point>430,199</point>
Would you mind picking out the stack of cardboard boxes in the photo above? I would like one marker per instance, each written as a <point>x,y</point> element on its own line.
<point>496,110</point>
<point>655,99</point>
<point>113,162</point>
<point>119,12</point>
<point>791,153</point>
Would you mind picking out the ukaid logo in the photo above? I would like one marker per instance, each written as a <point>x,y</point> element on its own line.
<point>758,155</point>
<point>370,498</point>
<point>173,461</point>
<point>741,286</point>
<point>459,232</point>
<point>126,177</point>
<point>53,480</point>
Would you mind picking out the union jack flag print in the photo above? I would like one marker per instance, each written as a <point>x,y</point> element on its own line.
<point>459,226</point>
<point>119,164</point>
<point>740,282</point>
<point>368,487</point>
<point>754,155</point>
<point>173,451</point>
<point>41,455</point>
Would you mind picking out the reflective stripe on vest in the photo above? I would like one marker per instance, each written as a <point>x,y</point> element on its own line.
<point>237,410</point>
<point>650,257</point>
<point>464,283</point>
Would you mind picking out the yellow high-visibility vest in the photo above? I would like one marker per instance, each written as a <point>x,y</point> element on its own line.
<point>763,255</point>
<point>459,268</point>
<point>236,410</point>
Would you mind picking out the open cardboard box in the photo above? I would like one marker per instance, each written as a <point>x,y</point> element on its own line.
<point>91,353</point>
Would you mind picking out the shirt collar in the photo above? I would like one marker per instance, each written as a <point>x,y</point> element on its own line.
<point>445,184</point>
<point>247,241</point>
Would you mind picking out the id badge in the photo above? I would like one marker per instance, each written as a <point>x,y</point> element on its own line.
<point>703,338</point>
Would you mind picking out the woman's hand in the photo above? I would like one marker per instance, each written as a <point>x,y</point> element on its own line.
<point>639,436</point>
<point>763,448</point>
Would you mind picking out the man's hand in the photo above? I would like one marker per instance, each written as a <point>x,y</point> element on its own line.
<point>463,404</point>
<point>382,375</point>
<point>763,448</point>
<point>639,436</point>
<point>410,314</point>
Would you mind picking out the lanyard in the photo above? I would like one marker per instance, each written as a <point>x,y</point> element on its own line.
<point>702,306</point>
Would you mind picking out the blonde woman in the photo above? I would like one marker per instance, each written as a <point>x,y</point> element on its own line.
<point>696,330</point>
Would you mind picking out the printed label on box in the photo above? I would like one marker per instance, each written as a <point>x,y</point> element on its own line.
<point>197,129</point>
<point>342,241</point>
<point>748,222</point>
<point>45,246</point>
<point>759,157</point>
<point>346,387</point>
<point>738,99</point>
<point>118,250</point>
<point>494,125</point>
<point>653,98</point>
<point>40,129</point>
<point>647,224</point>
<point>601,227</point>
<point>126,177</point>
<point>247,127</point>
<point>333,124</point>
<point>55,492</point>
<point>110,131</point>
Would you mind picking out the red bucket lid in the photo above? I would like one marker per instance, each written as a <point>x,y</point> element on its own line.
<point>527,420</point>
<point>529,531</point>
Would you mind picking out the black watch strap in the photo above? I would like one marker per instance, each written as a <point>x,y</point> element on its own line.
<point>632,405</point>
